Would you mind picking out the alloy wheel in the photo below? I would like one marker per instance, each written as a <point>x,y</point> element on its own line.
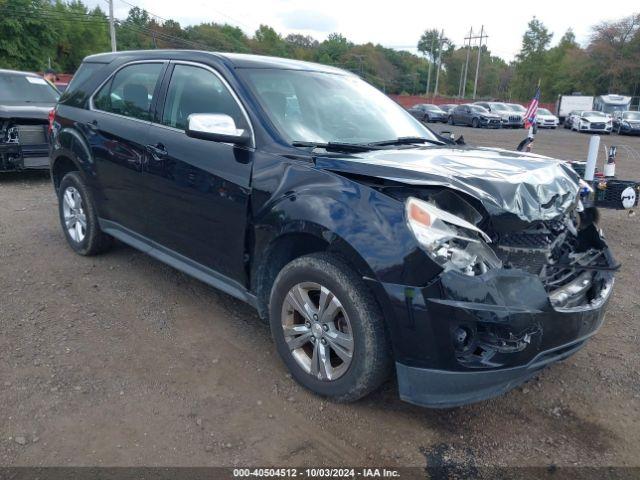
<point>75,220</point>
<point>317,331</point>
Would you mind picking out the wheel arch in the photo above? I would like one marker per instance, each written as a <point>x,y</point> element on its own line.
<point>294,242</point>
<point>60,166</point>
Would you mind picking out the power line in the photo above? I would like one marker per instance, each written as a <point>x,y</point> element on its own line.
<point>86,18</point>
<point>53,14</point>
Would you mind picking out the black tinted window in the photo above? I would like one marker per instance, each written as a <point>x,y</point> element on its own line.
<point>82,74</point>
<point>196,90</point>
<point>130,91</point>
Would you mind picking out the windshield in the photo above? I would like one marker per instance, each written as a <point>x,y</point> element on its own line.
<point>323,107</point>
<point>631,116</point>
<point>517,108</point>
<point>500,107</point>
<point>544,111</point>
<point>615,108</point>
<point>26,89</point>
<point>593,114</point>
<point>432,108</point>
<point>478,108</point>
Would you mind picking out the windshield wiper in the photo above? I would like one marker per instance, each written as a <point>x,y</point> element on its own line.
<point>406,141</point>
<point>337,146</point>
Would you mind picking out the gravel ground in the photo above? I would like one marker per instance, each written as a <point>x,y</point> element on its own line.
<point>121,360</point>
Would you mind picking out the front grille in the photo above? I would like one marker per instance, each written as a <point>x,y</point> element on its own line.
<point>597,126</point>
<point>515,118</point>
<point>552,251</point>
<point>32,134</point>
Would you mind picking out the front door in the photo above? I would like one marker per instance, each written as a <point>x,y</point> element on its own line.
<point>197,191</point>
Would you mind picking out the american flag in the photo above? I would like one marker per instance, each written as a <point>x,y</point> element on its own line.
<point>532,111</point>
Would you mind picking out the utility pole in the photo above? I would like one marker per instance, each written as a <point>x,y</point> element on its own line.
<point>112,28</point>
<point>475,83</point>
<point>435,89</point>
<point>466,65</point>
<point>431,60</point>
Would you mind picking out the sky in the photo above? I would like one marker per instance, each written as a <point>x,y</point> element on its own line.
<point>396,24</point>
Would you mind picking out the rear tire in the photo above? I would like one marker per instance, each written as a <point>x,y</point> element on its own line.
<point>78,217</point>
<point>348,333</point>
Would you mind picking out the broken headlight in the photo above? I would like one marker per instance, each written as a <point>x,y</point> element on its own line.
<point>451,241</point>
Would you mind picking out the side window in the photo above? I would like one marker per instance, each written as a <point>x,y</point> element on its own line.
<point>197,90</point>
<point>130,91</point>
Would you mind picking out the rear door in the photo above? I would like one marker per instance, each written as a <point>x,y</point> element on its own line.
<point>197,191</point>
<point>118,126</point>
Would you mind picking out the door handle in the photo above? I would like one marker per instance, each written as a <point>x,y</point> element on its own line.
<point>93,125</point>
<point>157,151</point>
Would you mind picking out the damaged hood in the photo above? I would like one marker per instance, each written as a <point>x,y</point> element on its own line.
<point>36,111</point>
<point>532,187</point>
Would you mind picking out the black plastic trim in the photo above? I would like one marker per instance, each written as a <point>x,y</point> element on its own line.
<point>177,261</point>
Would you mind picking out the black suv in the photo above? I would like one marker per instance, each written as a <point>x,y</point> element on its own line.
<point>369,243</point>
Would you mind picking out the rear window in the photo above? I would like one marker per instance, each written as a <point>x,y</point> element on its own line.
<point>20,88</point>
<point>83,73</point>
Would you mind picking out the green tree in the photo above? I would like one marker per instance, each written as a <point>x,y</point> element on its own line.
<point>531,62</point>
<point>268,42</point>
<point>333,48</point>
<point>27,37</point>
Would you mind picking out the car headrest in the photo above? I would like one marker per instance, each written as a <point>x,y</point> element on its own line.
<point>136,95</point>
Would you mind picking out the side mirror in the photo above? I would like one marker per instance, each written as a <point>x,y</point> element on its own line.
<point>216,127</point>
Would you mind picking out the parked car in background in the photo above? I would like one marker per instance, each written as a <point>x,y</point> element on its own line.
<point>571,117</point>
<point>26,100</point>
<point>510,118</point>
<point>516,107</point>
<point>626,123</point>
<point>592,122</point>
<point>368,244</point>
<point>546,119</point>
<point>447,107</point>
<point>427,112</point>
<point>474,116</point>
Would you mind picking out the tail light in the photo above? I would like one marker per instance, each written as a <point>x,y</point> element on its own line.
<point>52,116</point>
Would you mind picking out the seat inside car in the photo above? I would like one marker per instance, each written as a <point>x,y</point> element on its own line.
<point>136,97</point>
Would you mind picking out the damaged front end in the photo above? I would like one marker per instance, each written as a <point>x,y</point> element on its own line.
<point>491,330</point>
<point>525,273</point>
<point>23,144</point>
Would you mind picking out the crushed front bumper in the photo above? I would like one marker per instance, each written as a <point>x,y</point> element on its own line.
<point>465,339</point>
<point>15,157</point>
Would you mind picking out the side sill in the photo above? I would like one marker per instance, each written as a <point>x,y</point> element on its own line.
<point>178,261</point>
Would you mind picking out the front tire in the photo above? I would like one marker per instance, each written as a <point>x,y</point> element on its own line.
<point>328,328</point>
<point>474,123</point>
<point>78,217</point>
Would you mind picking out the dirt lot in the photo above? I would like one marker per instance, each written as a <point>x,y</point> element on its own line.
<point>120,360</point>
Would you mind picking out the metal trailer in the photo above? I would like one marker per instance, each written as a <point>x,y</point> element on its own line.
<point>569,103</point>
<point>612,103</point>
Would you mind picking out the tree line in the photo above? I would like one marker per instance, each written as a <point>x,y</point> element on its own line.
<point>36,34</point>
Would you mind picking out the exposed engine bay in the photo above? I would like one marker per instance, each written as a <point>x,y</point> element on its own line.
<point>23,144</point>
<point>566,254</point>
